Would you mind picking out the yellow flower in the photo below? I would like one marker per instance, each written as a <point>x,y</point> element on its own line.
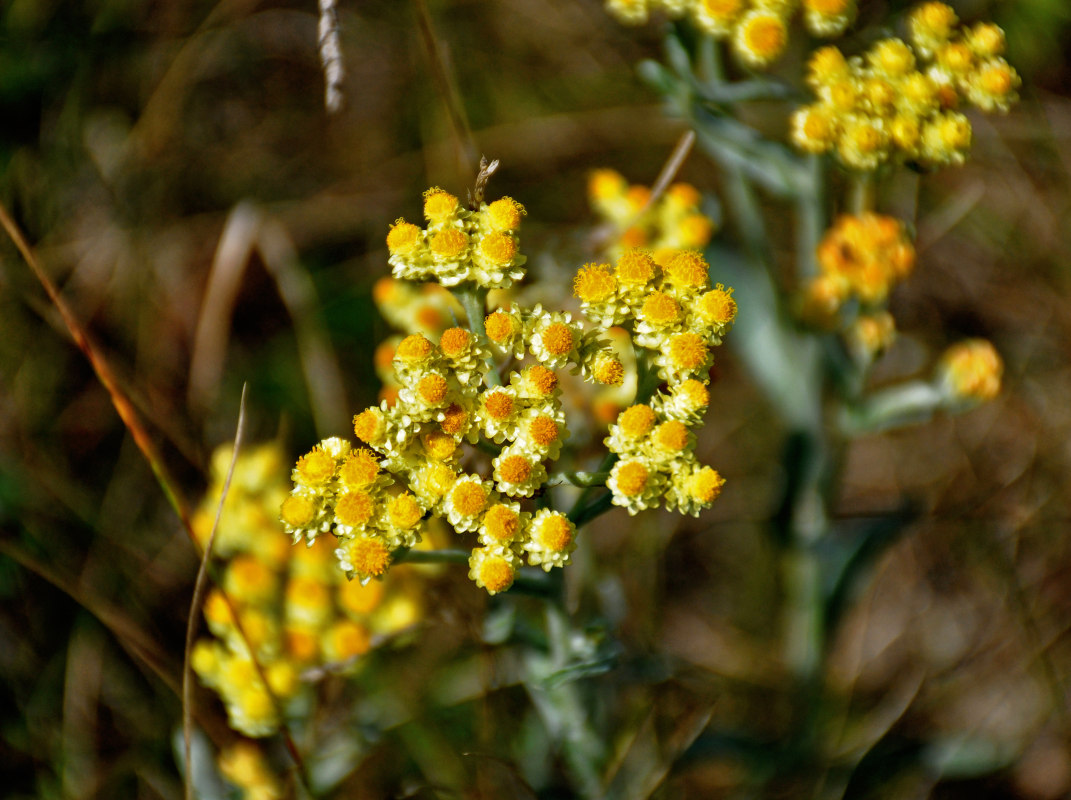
<point>552,539</point>
<point>971,371</point>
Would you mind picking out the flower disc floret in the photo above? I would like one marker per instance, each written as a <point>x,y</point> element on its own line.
<point>354,510</point>
<point>364,556</point>
<point>315,469</point>
<point>760,37</point>
<point>517,474</point>
<point>298,511</point>
<point>552,538</point>
<point>635,484</point>
<point>449,244</point>
<point>595,283</point>
<point>635,269</point>
<point>498,249</point>
<point>466,503</point>
<point>440,206</point>
<point>404,238</point>
<point>504,214</point>
<point>503,524</point>
<point>493,568</point>
<point>688,270</point>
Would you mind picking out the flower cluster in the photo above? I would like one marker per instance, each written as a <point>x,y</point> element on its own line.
<point>460,439</point>
<point>860,259</point>
<point>279,610</point>
<point>459,245</point>
<point>756,29</point>
<point>899,102</point>
<point>673,223</point>
<point>245,766</point>
<point>677,317</point>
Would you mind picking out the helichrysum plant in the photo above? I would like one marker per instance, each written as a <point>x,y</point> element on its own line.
<point>280,612</point>
<point>812,328</point>
<point>473,421</point>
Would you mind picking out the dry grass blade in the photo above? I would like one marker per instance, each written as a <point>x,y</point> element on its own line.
<point>602,235</point>
<point>198,598</point>
<point>247,230</point>
<point>459,124</point>
<point>104,374</point>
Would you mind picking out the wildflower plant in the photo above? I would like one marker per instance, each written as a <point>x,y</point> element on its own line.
<point>855,113</point>
<point>476,422</point>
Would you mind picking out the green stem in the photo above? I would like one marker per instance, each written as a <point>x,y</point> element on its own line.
<point>811,219</point>
<point>473,299</point>
<point>862,193</point>
<point>581,479</point>
<point>404,556</point>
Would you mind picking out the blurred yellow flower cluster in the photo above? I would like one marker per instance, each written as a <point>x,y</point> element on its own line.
<point>860,259</point>
<point>899,102</point>
<point>673,223</point>
<point>459,245</point>
<point>756,29</point>
<point>280,611</point>
<point>970,371</point>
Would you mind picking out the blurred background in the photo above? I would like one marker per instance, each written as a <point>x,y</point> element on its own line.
<point>211,225</point>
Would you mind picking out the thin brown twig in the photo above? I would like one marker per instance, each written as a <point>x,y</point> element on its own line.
<point>199,587</point>
<point>120,401</point>
<point>603,234</point>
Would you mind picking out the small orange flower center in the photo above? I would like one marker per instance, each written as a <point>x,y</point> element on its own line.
<point>496,574</point>
<point>439,206</point>
<point>432,388</point>
<point>689,270</point>
<point>297,511</point>
<point>543,380</point>
<point>609,371</point>
<point>556,533</point>
<point>766,36</point>
<point>997,80</point>
<point>355,508</point>
<point>368,556</point>
<point>404,511</point>
<point>359,469</point>
<point>636,421</point>
<point>705,485</point>
<point>366,425</point>
<point>672,435</point>
<point>501,523</point>
<point>449,243</point>
<point>632,478</point>
<point>635,267</point>
<point>558,338</point>
<point>499,327</point>
<point>718,305</point>
<point>316,467</point>
<point>684,194</point>
<point>404,237</point>
<point>515,469</point>
<point>499,405</point>
<point>687,351</point>
<point>695,230</point>
<point>505,214</point>
<point>414,348</point>
<point>594,283</point>
<point>454,341</point>
<point>469,498</point>
<point>543,430</point>
<point>660,309</point>
<point>694,393</point>
<point>498,248</point>
<point>307,593</point>
<point>438,445</point>
<point>386,289</point>
<point>454,419</point>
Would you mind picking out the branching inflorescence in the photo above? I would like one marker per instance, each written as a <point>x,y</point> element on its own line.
<point>473,418</point>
